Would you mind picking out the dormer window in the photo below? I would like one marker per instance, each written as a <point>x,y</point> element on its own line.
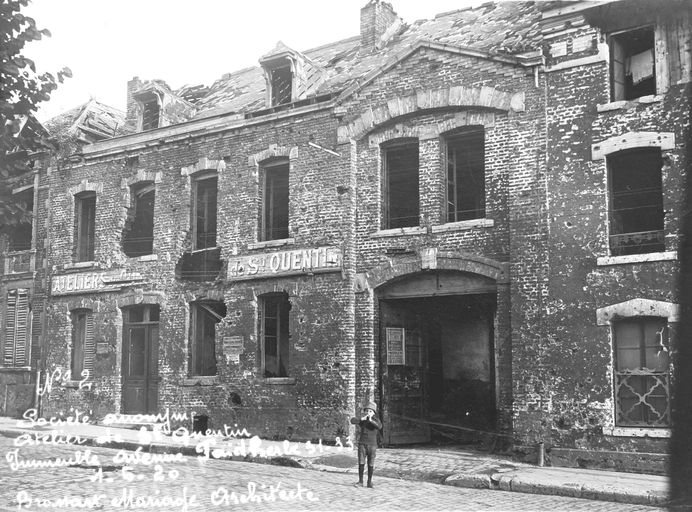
<point>281,85</point>
<point>150,114</point>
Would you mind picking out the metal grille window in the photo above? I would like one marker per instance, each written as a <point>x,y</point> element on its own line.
<point>16,331</point>
<point>205,316</point>
<point>636,202</point>
<point>83,348</point>
<point>401,187</point>
<point>138,239</point>
<point>275,335</point>
<point>642,378</point>
<point>275,201</point>
<point>205,211</point>
<point>85,216</point>
<point>282,80</point>
<point>465,159</point>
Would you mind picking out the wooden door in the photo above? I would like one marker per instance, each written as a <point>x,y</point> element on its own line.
<point>140,360</point>
<point>404,374</point>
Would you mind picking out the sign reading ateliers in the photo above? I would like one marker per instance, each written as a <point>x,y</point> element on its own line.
<point>93,282</point>
<point>283,263</point>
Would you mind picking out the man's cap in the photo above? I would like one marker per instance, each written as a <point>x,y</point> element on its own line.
<point>371,405</point>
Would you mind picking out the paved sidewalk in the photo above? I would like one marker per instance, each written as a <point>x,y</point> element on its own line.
<point>449,466</point>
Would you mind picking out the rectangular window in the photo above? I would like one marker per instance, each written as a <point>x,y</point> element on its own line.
<point>282,79</point>
<point>85,216</point>
<point>636,202</point>
<point>275,201</point>
<point>205,316</point>
<point>275,335</point>
<point>138,238</point>
<point>20,235</point>
<point>642,380</point>
<point>465,158</point>
<point>205,197</point>
<point>150,114</point>
<point>633,63</point>
<point>401,188</point>
<point>16,332</point>
<point>83,348</point>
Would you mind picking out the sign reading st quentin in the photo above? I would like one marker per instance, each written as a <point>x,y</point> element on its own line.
<point>93,282</point>
<point>285,263</point>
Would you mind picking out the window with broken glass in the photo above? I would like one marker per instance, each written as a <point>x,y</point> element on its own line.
<point>275,334</point>
<point>85,225</point>
<point>204,214</point>
<point>281,85</point>
<point>401,200</point>
<point>83,348</point>
<point>633,65</point>
<point>275,200</point>
<point>636,202</point>
<point>465,164</point>
<point>20,235</point>
<point>204,318</point>
<point>138,238</point>
<point>150,114</point>
<point>642,378</point>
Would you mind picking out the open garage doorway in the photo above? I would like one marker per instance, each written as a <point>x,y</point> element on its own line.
<point>437,367</point>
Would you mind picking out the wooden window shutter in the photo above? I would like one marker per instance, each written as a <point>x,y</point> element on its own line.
<point>89,347</point>
<point>16,328</point>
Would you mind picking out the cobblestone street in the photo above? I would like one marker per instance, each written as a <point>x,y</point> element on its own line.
<point>190,484</point>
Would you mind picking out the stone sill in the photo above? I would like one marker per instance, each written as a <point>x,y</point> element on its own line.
<point>637,432</point>
<point>384,233</point>
<point>199,381</point>
<point>627,104</point>
<point>280,381</point>
<point>463,225</point>
<point>81,264</point>
<point>636,258</point>
<point>147,257</point>
<point>15,368</point>
<point>272,243</point>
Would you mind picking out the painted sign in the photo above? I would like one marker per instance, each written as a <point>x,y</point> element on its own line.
<point>93,282</point>
<point>396,343</point>
<point>285,263</point>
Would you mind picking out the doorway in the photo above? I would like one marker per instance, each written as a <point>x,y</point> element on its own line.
<point>437,364</point>
<point>140,366</point>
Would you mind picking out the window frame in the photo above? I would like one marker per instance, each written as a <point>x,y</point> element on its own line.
<point>85,236</point>
<point>23,233</point>
<point>151,112</point>
<point>201,312</point>
<point>83,345</point>
<point>271,171</point>
<point>618,67</point>
<point>210,217</point>
<point>282,330</point>
<point>621,377</point>
<point>276,74</point>
<point>139,218</point>
<point>386,151</point>
<point>616,218</point>
<point>449,143</point>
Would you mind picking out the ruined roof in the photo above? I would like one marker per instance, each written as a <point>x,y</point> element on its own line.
<point>90,122</point>
<point>503,28</point>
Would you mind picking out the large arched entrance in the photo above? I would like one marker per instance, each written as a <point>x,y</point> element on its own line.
<point>437,331</point>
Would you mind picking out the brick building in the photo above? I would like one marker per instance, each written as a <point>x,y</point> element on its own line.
<point>442,217</point>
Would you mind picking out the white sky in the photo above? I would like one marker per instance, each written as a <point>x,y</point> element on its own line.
<point>107,42</point>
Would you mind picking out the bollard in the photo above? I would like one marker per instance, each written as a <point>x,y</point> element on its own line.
<point>540,456</point>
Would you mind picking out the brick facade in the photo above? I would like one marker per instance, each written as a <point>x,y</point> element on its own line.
<point>501,309</point>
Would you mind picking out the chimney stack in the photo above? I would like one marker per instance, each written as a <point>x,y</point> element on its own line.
<point>375,18</point>
<point>131,114</point>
